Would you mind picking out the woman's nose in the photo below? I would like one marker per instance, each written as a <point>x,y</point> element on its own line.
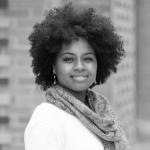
<point>79,66</point>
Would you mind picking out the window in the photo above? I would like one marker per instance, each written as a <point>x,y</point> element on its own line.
<point>4,81</point>
<point>3,42</point>
<point>3,4</point>
<point>4,120</point>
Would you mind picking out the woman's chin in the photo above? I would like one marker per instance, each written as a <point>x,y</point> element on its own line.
<point>79,87</point>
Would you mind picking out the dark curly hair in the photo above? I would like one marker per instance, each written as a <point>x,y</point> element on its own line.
<point>62,26</point>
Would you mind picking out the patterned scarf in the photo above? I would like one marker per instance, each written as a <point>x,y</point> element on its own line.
<point>98,117</point>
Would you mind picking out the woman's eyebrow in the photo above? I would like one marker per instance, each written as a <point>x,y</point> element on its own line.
<point>89,53</point>
<point>67,53</point>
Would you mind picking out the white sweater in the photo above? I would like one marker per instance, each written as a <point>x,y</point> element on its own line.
<point>51,128</point>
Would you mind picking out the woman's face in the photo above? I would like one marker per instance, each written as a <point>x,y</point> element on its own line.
<point>76,66</point>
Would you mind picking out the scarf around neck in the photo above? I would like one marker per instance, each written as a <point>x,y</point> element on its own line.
<point>98,117</point>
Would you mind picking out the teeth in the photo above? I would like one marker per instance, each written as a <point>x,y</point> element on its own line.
<point>79,78</point>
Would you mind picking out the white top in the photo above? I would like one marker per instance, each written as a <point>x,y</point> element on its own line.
<point>51,128</point>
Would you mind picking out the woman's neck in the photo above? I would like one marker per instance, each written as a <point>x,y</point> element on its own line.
<point>81,95</point>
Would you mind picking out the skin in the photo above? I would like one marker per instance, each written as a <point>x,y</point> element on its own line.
<point>76,68</point>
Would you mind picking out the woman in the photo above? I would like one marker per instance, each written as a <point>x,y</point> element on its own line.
<point>72,52</point>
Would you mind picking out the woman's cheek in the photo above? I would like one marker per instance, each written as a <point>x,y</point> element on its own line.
<point>66,68</point>
<point>92,67</point>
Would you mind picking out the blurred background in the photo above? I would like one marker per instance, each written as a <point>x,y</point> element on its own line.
<point>128,90</point>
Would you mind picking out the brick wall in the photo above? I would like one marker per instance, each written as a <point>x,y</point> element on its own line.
<point>143,45</point>
<point>22,16</point>
<point>123,14</point>
<point>4,76</point>
<point>143,71</point>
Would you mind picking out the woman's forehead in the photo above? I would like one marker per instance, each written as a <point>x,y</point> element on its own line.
<point>80,46</point>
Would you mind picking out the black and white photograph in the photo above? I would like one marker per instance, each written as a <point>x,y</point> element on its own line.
<point>74,75</point>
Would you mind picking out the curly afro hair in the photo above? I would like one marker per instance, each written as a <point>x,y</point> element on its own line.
<point>63,25</point>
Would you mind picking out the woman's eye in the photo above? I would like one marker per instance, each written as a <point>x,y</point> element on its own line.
<point>88,59</point>
<point>68,60</point>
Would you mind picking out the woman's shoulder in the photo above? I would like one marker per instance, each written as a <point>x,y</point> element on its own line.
<point>46,108</point>
<point>46,113</point>
<point>44,129</point>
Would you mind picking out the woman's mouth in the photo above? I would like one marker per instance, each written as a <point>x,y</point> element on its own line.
<point>80,78</point>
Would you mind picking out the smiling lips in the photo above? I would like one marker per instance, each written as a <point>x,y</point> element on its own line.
<point>80,77</point>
